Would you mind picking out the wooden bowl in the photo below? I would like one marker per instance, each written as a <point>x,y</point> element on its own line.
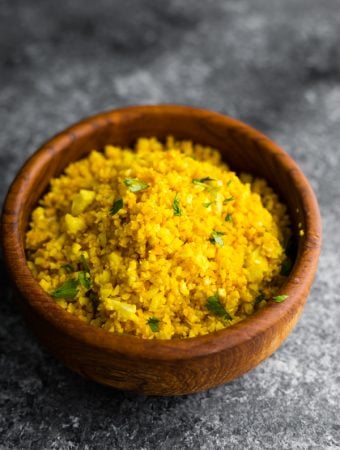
<point>162,367</point>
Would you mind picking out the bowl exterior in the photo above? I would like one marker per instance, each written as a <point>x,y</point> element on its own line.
<point>156,367</point>
<point>166,375</point>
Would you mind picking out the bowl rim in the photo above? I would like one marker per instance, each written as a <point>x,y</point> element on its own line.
<point>134,347</point>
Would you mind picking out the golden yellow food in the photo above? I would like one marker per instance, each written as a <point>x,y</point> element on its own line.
<point>162,241</point>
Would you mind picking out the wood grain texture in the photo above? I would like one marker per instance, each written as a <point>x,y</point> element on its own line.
<point>155,367</point>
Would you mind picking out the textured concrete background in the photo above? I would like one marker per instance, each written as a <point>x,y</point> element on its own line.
<point>272,63</point>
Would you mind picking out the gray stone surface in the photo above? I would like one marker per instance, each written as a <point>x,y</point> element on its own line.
<point>272,63</point>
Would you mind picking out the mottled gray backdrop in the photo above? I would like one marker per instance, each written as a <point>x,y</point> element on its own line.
<point>272,63</point>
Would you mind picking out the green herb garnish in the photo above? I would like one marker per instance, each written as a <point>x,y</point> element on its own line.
<point>214,305</point>
<point>117,205</point>
<point>84,263</point>
<point>153,322</point>
<point>280,298</point>
<point>227,200</point>
<point>84,280</point>
<point>228,218</point>
<point>68,290</point>
<point>135,185</point>
<point>215,238</point>
<point>202,181</point>
<point>175,206</point>
<point>207,204</point>
<point>68,268</point>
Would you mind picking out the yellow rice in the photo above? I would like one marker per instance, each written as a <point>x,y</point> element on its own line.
<point>162,255</point>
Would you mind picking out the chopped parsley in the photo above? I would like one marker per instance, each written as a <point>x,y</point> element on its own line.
<point>207,204</point>
<point>227,200</point>
<point>84,280</point>
<point>68,268</point>
<point>175,206</point>
<point>117,205</point>
<point>202,181</point>
<point>214,305</point>
<point>228,218</point>
<point>280,298</point>
<point>84,263</point>
<point>68,290</point>
<point>153,323</point>
<point>215,238</point>
<point>135,185</point>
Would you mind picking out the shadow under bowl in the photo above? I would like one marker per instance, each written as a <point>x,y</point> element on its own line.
<point>163,367</point>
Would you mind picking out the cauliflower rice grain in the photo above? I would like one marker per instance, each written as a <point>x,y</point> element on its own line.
<point>161,242</point>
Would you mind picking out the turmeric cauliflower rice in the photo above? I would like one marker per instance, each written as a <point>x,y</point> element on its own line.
<point>163,241</point>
